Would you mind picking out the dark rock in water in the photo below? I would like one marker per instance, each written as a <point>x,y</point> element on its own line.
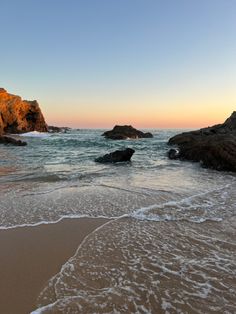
<point>117,156</point>
<point>214,147</point>
<point>123,132</point>
<point>173,153</point>
<point>57,129</point>
<point>10,140</point>
<point>19,116</point>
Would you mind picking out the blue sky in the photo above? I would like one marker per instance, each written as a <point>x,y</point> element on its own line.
<point>94,63</point>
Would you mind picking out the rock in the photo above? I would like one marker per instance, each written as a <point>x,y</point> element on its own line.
<point>123,132</point>
<point>10,140</point>
<point>57,129</point>
<point>117,156</point>
<point>173,153</point>
<point>214,147</point>
<point>2,90</point>
<point>19,116</point>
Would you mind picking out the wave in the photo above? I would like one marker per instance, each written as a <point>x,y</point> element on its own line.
<point>35,134</point>
<point>40,223</point>
<point>182,206</point>
<point>78,199</point>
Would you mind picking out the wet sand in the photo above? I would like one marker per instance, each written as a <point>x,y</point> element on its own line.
<point>30,256</point>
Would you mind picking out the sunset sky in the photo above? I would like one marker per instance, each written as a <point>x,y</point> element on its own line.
<point>96,63</point>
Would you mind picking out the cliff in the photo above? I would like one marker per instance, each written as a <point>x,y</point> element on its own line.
<point>19,116</point>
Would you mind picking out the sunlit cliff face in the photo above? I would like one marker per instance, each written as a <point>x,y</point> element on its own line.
<point>19,116</point>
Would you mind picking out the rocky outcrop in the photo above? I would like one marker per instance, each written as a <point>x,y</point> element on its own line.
<point>117,156</point>
<point>19,116</point>
<point>214,147</point>
<point>58,129</point>
<point>123,132</point>
<point>11,140</point>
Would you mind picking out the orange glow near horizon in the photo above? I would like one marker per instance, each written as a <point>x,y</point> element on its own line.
<point>171,116</point>
<point>184,120</point>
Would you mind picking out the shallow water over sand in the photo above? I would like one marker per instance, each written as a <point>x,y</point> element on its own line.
<point>131,266</point>
<point>170,247</point>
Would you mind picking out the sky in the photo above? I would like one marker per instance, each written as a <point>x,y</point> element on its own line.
<point>97,63</point>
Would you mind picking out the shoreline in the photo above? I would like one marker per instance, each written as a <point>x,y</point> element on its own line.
<point>31,255</point>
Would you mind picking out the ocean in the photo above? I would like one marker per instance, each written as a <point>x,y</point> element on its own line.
<point>169,245</point>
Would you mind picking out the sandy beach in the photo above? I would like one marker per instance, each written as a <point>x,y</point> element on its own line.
<point>30,256</point>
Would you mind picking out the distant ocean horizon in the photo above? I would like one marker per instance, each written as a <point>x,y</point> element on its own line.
<point>178,129</point>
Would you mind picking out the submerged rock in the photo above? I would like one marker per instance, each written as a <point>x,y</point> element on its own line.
<point>173,153</point>
<point>19,116</point>
<point>117,156</point>
<point>214,147</point>
<point>123,132</point>
<point>10,140</point>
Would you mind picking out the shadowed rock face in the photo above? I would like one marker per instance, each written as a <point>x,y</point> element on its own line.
<point>123,132</point>
<point>58,129</point>
<point>117,156</point>
<point>19,116</point>
<point>214,147</point>
<point>12,141</point>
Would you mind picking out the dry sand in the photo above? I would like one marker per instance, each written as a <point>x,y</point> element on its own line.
<point>30,256</point>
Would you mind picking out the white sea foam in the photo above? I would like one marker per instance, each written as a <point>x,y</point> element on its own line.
<point>197,208</point>
<point>35,134</point>
<point>128,263</point>
<point>57,221</point>
<point>53,204</point>
<point>43,309</point>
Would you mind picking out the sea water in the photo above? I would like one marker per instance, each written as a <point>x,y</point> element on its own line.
<point>169,246</point>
